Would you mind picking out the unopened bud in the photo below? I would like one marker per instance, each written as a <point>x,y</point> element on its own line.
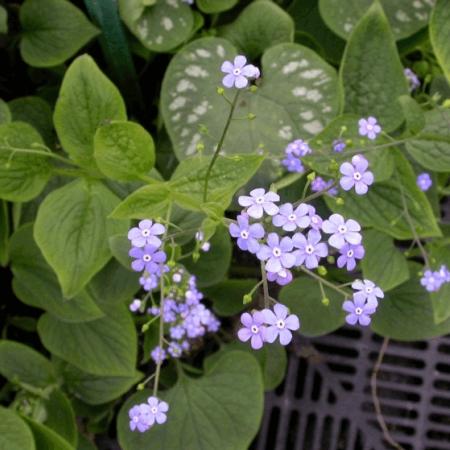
<point>311,176</point>
<point>344,128</point>
<point>321,270</point>
<point>331,259</point>
<point>253,88</point>
<point>247,298</point>
<point>220,90</point>
<point>140,387</point>
<point>145,327</point>
<point>325,301</point>
<point>340,201</point>
<point>200,147</point>
<point>251,116</point>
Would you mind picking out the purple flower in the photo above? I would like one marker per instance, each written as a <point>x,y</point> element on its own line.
<point>310,249</point>
<point>289,219</point>
<point>260,202</point>
<point>444,274</point>
<point>369,291</point>
<point>316,220</point>
<point>238,72</point>
<point>148,281</point>
<point>254,329</point>
<point>145,234</point>
<point>135,305</point>
<point>412,78</point>
<point>369,127</point>
<point>358,310</point>
<point>342,231</point>
<point>158,354</point>
<point>424,181</point>
<point>247,235</point>
<point>148,258</point>
<point>174,350</point>
<point>293,164</point>
<point>431,281</point>
<point>280,324</point>
<point>355,174</point>
<point>276,253</point>
<point>157,410</point>
<point>349,254</point>
<point>319,184</point>
<point>177,332</point>
<point>282,277</point>
<point>297,148</point>
<point>338,145</point>
<point>139,417</point>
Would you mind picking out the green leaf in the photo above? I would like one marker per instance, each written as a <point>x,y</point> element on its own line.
<point>297,96</point>
<point>85,443</point>
<point>124,150</point>
<point>94,389</point>
<point>72,231</point>
<point>440,300</point>
<point>431,147</point>
<point>5,114</point>
<point>36,112</point>
<point>120,246</point>
<point>104,347</point>
<point>212,266</point>
<point>161,26</point>
<point>23,175</point>
<point>53,31</point>
<point>303,297</point>
<point>210,412</point>
<point>215,6</point>
<point>4,233</point>
<point>272,359</point>
<point>406,17</point>
<point>364,88</point>
<point>258,27</point>
<point>382,207</point>
<point>383,263</point>
<point>46,438</point>
<point>14,432</point>
<point>86,100</point>
<point>35,283</point>
<point>413,113</point>
<point>22,364</point>
<point>3,21</point>
<point>227,295</point>
<point>406,313</point>
<point>440,34</point>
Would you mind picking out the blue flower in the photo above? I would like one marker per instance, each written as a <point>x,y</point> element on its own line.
<point>289,220</point>
<point>359,311</point>
<point>247,235</point>
<point>424,181</point>
<point>310,249</point>
<point>369,127</point>
<point>277,253</point>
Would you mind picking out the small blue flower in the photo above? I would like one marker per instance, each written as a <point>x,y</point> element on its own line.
<point>356,174</point>
<point>247,235</point>
<point>342,231</point>
<point>158,354</point>
<point>310,249</point>
<point>359,311</point>
<point>148,258</point>
<point>424,181</point>
<point>348,255</point>
<point>339,145</point>
<point>289,220</point>
<point>238,72</point>
<point>369,127</point>
<point>277,253</point>
<point>413,79</point>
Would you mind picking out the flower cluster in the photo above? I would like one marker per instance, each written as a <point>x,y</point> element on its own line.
<point>424,181</point>
<point>433,280</point>
<point>413,79</point>
<point>364,302</point>
<point>319,184</point>
<point>294,151</point>
<point>267,326</point>
<point>356,175</point>
<point>238,72</point>
<point>145,415</point>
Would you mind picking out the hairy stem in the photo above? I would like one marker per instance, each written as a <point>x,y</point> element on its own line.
<point>265,286</point>
<point>48,154</point>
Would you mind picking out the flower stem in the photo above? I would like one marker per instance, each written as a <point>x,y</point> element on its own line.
<point>48,154</point>
<point>265,286</point>
<point>315,195</point>
<point>324,281</point>
<point>219,145</point>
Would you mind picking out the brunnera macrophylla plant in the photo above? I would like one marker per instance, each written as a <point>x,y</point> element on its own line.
<point>280,190</point>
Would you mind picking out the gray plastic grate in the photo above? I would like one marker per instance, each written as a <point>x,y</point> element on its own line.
<point>325,401</point>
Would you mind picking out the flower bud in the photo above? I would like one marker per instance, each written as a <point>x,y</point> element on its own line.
<point>220,90</point>
<point>325,301</point>
<point>247,298</point>
<point>339,201</point>
<point>322,270</point>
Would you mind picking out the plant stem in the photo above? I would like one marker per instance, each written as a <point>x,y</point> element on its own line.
<point>376,400</point>
<point>48,154</point>
<point>315,195</point>
<point>265,286</point>
<point>219,145</point>
<point>324,281</point>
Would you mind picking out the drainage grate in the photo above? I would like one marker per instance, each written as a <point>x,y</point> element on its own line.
<point>325,401</point>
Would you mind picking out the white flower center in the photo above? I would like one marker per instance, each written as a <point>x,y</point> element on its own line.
<point>314,219</point>
<point>309,249</point>
<point>357,176</point>
<point>236,71</point>
<point>147,258</point>
<point>282,274</point>
<point>358,311</point>
<point>369,290</point>
<point>276,252</point>
<point>260,200</point>
<point>244,234</point>
<point>135,419</point>
<point>369,127</point>
<point>292,217</point>
<point>255,329</point>
<point>145,233</point>
<point>280,324</point>
<point>350,254</point>
<point>154,410</point>
<point>342,229</point>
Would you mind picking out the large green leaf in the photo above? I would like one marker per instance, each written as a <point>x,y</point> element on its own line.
<point>382,207</point>
<point>14,432</point>
<point>105,347</point>
<point>22,364</point>
<point>303,297</point>
<point>23,175</point>
<point>406,313</point>
<point>46,438</point>
<point>406,17</point>
<point>53,31</point>
<point>72,231</point>
<point>4,233</point>
<point>296,98</point>
<point>370,59</point>
<point>86,100</point>
<point>3,20</point>
<point>215,6</point>
<point>5,113</point>
<point>440,34</point>
<point>159,25</point>
<point>211,412</point>
<point>259,26</point>
<point>35,283</point>
<point>124,150</point>
<point>431,147</point>
<point>383,263</point>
